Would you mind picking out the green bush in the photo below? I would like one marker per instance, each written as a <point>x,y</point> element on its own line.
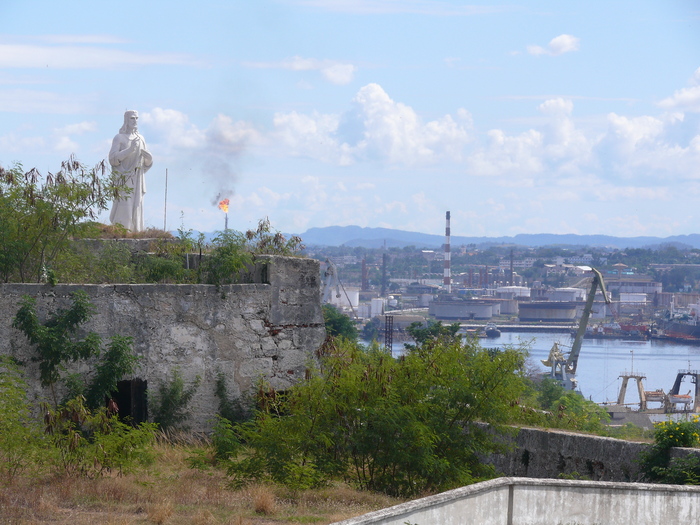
<point>338,324</point>
<point>93,443</point>
<point>656,463</point>
<point>232,409</point>
<point>57,345</point>
<point>225,440</point>
<point>228,258</point>
<point>548,404</point>
<point>401,426</point>
<point>168,406</point>
<point>20,437</point>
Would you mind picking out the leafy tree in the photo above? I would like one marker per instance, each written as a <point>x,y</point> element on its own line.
<point>338,324</point>
<point>118,361</point>
<point>402,426</point>
<point>40,215</point>
<point>549,404</point>
<point>432,333</point>
<point>370,332</point>
<point>57,345</point>
<point>229,257</point>
<point>265,240</point>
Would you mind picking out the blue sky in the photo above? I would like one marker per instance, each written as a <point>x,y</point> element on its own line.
<point>521,117</point>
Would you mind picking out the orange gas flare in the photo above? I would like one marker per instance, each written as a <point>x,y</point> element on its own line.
<point>223,205</point>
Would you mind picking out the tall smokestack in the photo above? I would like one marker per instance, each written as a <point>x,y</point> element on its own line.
<point>384,257</point>
<point>447,279</point>
<point>365,279</point>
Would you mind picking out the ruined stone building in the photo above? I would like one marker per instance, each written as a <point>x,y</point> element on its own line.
<point>269,330</point>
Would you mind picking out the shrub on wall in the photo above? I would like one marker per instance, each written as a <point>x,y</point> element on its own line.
<point>57,344</point>
<point>656,463</point>
<point>40,215</point>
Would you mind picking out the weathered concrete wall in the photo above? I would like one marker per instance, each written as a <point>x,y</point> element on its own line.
<point>539,453</point>
<point>523,501</point>
<point>269,330</point>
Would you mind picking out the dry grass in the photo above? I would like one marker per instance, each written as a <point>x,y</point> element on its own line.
<point>172,493</point>
<point>263,500</point>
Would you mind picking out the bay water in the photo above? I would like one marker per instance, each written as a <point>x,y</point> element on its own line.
<point>602,361</point>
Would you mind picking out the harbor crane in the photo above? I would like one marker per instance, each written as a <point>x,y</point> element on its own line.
<point>563,368</point>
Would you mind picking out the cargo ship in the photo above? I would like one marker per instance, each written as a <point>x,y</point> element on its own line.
<point>684,328</point>
<point>617,330</point>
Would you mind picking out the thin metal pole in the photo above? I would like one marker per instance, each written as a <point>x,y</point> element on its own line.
<point>165,205</point>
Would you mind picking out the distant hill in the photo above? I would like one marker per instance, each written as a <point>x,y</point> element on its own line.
<point>354,236</point>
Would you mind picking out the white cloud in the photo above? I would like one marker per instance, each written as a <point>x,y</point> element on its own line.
<point>392,208</point>
<point>556,106</point>
<point>230,136</point>
<point>223,135</point>
<point>273,198</point>
<point>339,74</point>
<point>376,128</point>
<point>563,142</point>
<point>333,71</point>
<point>631,193</point>
<point>81,39</point>
<point>175,128</point>
<point>686,99</point>
<point>695,79</point>
<point>633,131</point>
<point>65,145</point>
<point>393,131</point>
<point>314,194</point>
<point>515,156</point>
<point>422,7</point>
<point>557,46</point>
<point>31,101</point>
<point>11,143</point>
<point>309,136</point>
<point>215,151</point>
<point>628,140</point>
<point>78,128</point>
<point>84,57</point>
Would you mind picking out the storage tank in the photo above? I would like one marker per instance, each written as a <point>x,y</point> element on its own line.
<point>510,292</point>
<point>377,306</point>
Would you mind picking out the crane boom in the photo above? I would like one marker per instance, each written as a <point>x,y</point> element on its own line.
<point>572,361</point>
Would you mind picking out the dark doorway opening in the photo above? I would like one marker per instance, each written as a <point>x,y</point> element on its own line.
<point>131,398</point>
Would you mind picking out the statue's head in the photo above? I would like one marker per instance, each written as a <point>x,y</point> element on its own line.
<point>131,120</point>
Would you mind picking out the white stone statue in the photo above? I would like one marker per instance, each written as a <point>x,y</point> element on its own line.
<point>130,161</point>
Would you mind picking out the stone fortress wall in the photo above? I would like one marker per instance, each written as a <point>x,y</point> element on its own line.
<point>270,329</point>
<point>547,453</point>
